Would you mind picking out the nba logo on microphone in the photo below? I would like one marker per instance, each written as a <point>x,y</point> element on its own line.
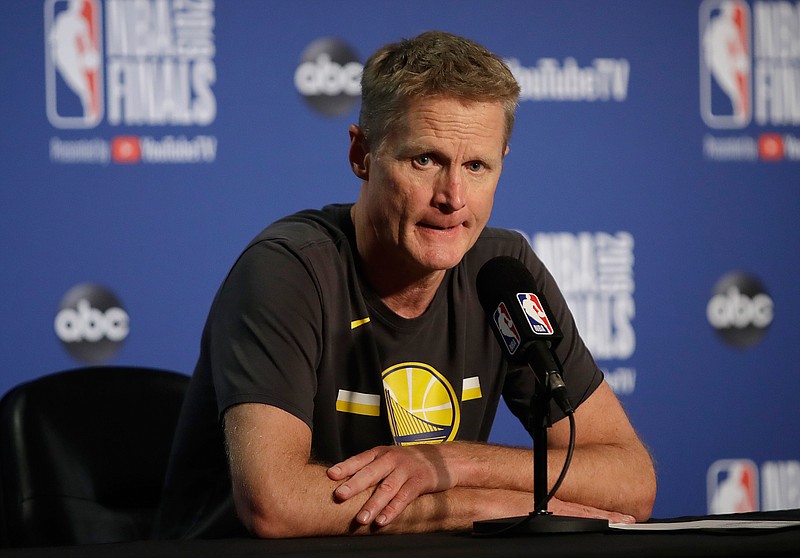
<point>506,328</point>
<point>725,64</point>
<point>537,317</point>
<point>732,486</point>
<point>73,63</point>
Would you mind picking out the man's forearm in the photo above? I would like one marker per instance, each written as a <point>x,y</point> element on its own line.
<point>457,508</point>
<point>618,478</point>
<point>294,503</point>
<point>611,478</point>
<point>606,476</point>
<point>308,508</point>
<point>611,469</point>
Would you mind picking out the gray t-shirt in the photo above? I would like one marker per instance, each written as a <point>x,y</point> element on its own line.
<point>295,326</point>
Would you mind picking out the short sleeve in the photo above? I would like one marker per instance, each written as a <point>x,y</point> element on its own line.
<point>265,332</point>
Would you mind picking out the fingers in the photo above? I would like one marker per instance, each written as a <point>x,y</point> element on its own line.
<point>559,507</point>
<point>395,476</point>
<point>364,472</point>
<point>390,498</point>
<point>352,465</point>
<point>621,518</point>
<point>394,488</point>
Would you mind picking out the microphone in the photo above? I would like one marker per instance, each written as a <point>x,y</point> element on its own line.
<point>528,334</point>
<point>521,319</point>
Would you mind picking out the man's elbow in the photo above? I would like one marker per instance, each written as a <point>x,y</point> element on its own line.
<point>644,495</point>
<point>265,527</point>
<point>266,521</point>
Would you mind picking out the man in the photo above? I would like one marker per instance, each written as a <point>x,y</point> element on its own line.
<point>347,366</point>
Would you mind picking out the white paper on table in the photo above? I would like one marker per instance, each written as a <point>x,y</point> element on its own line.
<point>705,524</point>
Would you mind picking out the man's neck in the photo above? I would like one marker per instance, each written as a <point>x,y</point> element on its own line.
<point>410,299</point>
<point>407,294</point>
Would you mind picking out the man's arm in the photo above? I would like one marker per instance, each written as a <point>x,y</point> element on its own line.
<point>278,492</point>
<point>610,469</point>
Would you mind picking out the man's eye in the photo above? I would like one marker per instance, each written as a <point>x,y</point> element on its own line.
<point>476,166</point>
<point>423,160</point>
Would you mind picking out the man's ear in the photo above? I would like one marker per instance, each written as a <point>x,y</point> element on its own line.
<point>359,153</point>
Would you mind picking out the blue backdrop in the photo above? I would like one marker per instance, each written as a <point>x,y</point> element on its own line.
<point>655,166</point>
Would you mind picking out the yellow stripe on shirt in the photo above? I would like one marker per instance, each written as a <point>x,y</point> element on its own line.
<point>471,389</point>
<point>358,403</point>
<point>356,323</point>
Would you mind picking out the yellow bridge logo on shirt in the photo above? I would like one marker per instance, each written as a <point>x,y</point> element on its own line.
<point>421,404</point>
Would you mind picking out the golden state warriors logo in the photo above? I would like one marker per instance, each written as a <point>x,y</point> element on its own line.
<point>421,404</point>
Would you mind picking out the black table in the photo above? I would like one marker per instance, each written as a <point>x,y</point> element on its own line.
<point>756,543</point>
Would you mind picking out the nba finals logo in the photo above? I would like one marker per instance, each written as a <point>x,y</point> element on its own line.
<point>130,63</point>
<point>750,75</point>
<point>73,63</point>
<point>725,64</point>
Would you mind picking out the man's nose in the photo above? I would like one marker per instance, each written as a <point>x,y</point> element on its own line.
<point>449,196</point>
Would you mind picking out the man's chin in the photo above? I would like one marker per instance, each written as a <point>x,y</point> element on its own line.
<point>441,261</point>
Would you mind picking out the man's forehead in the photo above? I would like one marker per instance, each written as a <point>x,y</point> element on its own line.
<point>421,104</point>
<point>431,122</point>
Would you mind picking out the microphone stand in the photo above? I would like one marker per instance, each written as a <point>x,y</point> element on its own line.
<point>539,521</point>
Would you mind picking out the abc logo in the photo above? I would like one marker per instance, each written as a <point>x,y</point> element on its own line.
<point>329,76</point>
<point>740,310</point>
<point>91,323</point>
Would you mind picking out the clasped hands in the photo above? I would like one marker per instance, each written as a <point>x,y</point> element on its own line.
<point>398,474</point>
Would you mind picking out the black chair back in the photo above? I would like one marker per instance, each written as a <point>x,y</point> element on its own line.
<point>83,454</point>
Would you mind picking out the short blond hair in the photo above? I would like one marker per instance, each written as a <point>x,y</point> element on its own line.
<point>432,64</point>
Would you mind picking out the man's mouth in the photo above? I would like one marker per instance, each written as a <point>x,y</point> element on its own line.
<point>439,227</point>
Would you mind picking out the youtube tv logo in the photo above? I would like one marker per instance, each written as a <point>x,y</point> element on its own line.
<point>126,150</point>
<point>770,147</point>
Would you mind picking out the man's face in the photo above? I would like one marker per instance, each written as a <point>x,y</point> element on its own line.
<point>430,185</point>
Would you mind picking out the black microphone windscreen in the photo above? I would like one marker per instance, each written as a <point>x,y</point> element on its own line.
<point>499,276</point>
<point>509,297</point>
<point>522,321</point>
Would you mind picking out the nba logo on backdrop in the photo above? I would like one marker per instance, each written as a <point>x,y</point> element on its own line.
<point>725,64</point>
<point>732,486</point>
<point>73,63</point>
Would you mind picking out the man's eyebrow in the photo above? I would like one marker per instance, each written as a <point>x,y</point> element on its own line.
<point>417,146</point>
<point>414,147</point>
